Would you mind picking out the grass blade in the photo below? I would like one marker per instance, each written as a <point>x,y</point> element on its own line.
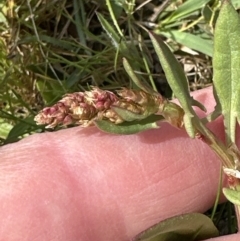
<point>135,79</point>
<point>110,9</point>
<point>186,9</point>
<point>117,41</point>
<point>191,41</point>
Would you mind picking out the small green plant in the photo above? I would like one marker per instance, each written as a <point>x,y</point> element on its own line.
<point>133,110</point>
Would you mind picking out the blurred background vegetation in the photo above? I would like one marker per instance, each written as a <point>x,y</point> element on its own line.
<point>51,47</point>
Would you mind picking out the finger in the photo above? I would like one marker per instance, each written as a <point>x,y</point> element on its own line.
<point>86,185</point>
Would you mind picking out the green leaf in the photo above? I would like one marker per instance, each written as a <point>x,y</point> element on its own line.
<point>185,10</point>
<point>25,126</point>
<point>177,81</point>
<point>4,129</point>
<point>207,13</point>
<point>126,114</point>
<point>187,227</point>
<point>127,128</point>
<point>50,90</point>
<point>3,8</point>
<point>191,41</point>
<point>236,4</point>
<point>232,195</point>
<point>226,62</point>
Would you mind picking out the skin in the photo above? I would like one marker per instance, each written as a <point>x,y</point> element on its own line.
<point>85,185</point>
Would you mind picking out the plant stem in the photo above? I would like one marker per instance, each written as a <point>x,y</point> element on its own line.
<point>222,151</point>
<point>215,144</point>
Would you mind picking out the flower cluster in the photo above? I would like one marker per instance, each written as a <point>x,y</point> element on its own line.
<point>77,108</point>
<point>83,108</point>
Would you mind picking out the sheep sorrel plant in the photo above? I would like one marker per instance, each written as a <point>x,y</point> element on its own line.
<point>130,111</point>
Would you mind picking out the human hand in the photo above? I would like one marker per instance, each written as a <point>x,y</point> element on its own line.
<point>84,185</point>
